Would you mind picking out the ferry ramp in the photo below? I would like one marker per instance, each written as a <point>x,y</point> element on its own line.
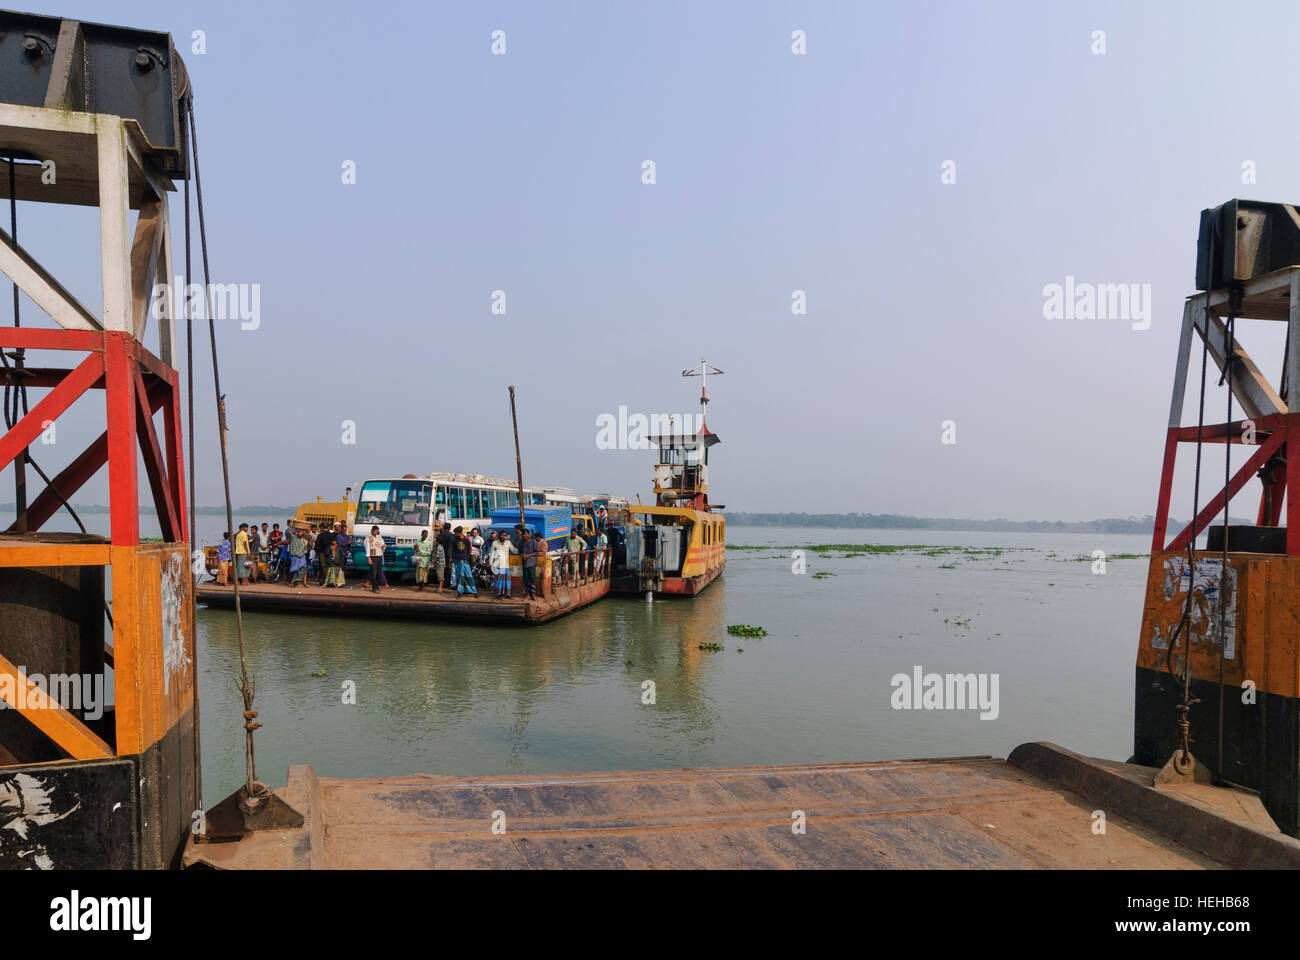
<point>1037,809</point>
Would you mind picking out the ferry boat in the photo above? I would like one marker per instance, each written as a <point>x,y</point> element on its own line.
<point>678,545</point>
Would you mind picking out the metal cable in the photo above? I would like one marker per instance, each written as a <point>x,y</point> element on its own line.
<point>189,378</point>
<point>1229,359</point>
<point>246,686</point>
<point>1185,628</point>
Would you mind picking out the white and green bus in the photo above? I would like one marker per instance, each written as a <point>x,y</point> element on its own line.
<point>402,507</point>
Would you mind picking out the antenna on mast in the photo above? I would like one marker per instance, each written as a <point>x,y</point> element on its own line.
<point>702,371</point>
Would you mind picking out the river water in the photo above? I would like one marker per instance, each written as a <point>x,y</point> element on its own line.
<point>568,696</point>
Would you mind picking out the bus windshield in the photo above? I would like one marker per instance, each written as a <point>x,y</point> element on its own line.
<point>399,502</point>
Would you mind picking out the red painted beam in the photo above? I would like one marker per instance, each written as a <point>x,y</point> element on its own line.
<point>43,378</point>
<point>1245,473</point>
<point>119,403</point>
<point>39,338</point>
<point>1292,500</point>
<point>1215,432</point>
<point>175,452</point>
<point>155,467</point>
<point>75,475</point>
<point>26,430</point>
<point>150,362</point>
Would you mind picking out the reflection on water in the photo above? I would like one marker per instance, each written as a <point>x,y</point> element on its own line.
<point>564,696</point>
<point>567,696</point>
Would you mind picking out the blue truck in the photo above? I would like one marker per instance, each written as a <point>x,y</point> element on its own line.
<point>553,523</point>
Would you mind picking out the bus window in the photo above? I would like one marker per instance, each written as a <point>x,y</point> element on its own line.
<point>393,502</point>
<point>456,503</point>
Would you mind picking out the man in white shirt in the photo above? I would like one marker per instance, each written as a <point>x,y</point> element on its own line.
<point>375,554</point>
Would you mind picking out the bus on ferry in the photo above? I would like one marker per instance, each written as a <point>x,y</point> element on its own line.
<point>402,507</point>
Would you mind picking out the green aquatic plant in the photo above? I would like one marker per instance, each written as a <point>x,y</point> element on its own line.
<point>746,630</point>
<point>1088,558</point>
<point>822,575</point>
<point>712,647</point>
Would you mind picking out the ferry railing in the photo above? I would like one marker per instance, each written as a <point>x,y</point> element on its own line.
<point>582,567</point>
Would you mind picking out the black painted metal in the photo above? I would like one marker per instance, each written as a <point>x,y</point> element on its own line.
<point>53,621</point>
<point>1261,747</point>
<point>97,68</point>
<point>1247,538</point>
<point>1250,239</point>
<point>72,815</point>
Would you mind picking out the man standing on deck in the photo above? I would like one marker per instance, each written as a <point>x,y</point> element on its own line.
<point>423,550</point>
<point>343,542</point>
<point>324,540</point>
<point>602,549</point>
<point>530,548</point>
<point>241,554</point>
<point>576,546</point>
<point>264,554</point>
<point>445,540</point>
<point>439,563</point>
<point>254,551</point>
<point>335,555</point>
<point>375,554</point>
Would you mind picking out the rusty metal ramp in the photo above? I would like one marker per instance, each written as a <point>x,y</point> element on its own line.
<point>1040,809</point>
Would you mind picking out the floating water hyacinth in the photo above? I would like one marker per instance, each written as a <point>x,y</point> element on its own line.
<point>712,647</point>
<point>746,630</point>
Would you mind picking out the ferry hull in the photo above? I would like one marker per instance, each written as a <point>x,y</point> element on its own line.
<point>672,586</point>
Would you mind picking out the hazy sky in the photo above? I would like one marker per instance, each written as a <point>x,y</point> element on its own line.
<point>775,172</point>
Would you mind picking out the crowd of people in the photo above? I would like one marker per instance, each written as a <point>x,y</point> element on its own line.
<point>319,554</point>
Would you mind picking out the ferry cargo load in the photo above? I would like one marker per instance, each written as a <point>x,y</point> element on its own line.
<point>553,523</point>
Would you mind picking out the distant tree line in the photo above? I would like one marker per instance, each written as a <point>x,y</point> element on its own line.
<point>894,521</point>
<point>262,510</point>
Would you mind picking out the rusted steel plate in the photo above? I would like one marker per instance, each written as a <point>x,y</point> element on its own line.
<point>960,813</point>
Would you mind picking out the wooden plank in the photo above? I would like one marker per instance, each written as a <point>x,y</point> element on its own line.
<point>1180,367</point>
<point>50,718</point>
<point>1292,360</point>
<point>144,264</point>
<point>114,226</point>
<point>44,118</point>
<point>127,676</point>
<point>167,322</point>
<point>53,554</point>
<point>1251,388</point>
